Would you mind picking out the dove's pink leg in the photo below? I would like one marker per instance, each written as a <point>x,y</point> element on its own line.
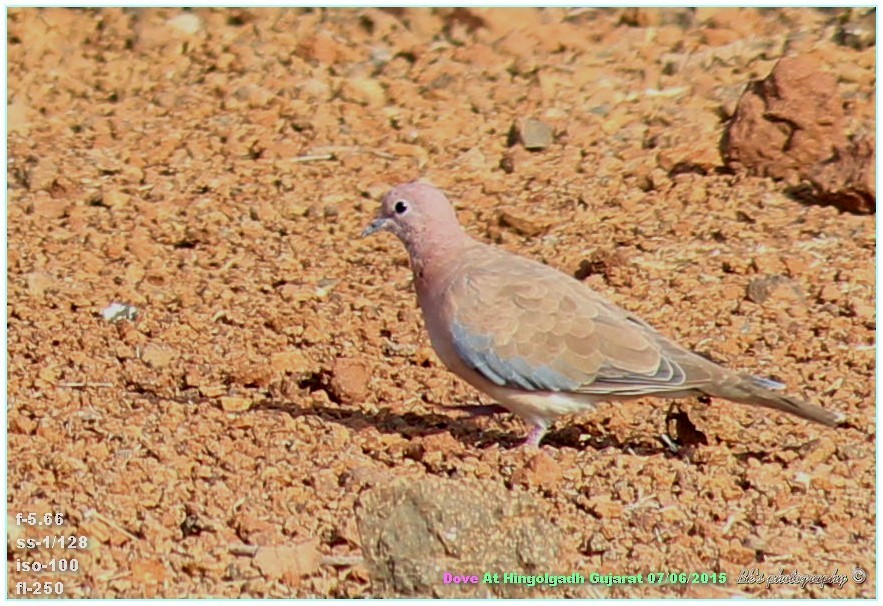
<point>533,438</point>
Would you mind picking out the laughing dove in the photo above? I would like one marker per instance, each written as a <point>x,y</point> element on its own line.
<point>538,341</point>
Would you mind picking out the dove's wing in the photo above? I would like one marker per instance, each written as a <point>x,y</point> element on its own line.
<point>524,325</point>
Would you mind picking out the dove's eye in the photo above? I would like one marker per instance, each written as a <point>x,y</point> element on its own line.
<point>401,207</point>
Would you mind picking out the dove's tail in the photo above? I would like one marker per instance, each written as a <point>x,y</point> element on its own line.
<point>745,389</point>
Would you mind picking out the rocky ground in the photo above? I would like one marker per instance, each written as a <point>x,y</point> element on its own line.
<point>272,422</point>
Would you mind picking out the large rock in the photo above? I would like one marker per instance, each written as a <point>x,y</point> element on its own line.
<point>791,126</point>
<point>415,531</point>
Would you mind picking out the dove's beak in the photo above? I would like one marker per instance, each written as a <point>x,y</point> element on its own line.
<point>377,225</point>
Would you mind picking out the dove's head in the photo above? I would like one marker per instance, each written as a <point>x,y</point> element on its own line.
<point>419,214</point>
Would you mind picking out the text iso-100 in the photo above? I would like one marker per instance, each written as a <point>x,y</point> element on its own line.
<point>53,565</point>
<point>35,519</point>
<point>685,578</point>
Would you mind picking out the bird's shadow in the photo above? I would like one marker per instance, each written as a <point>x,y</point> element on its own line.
<point>408,425</point>
<point>464,428</point>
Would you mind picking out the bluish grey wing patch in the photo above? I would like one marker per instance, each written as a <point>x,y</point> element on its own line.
<point>477,351</point>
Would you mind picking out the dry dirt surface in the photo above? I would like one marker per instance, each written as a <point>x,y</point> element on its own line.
<point>214,168</point>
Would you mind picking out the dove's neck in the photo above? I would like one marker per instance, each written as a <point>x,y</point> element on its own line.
<point>434,258</point>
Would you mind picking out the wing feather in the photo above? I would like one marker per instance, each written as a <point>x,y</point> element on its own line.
<point>524,325</point>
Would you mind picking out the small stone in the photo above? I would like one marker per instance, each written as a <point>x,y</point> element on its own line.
<point>50,208</point>
<point>700,158</point>
<point>414,451</point>
<point>440,445</point>
<point>49,374</point>
<point>119,311</point>
<point>714,36</point>
<point>507,163</point>
<point>830,293</point>
<point>738,553</point>
<point>254,96</point>
<point>641,17</point>
<point>322,48</point>
<point>288,563</point>
<point>211,391</point>
<point>316,89</point>
<point>796,266</point>
<point>187,23</point>
<point>22,425</point>
<point>416,152</point>
<point>253,374</point>
<point>698,194</point>
<point>312,334</point>
<point>768,263</point>
<point>606,508</point>
<point>779,287</point>
<point>533,134</point>
<point>291,361</point>
<point>817,452</point>
<point>521,225</point>
<point>292,209</point>
<point>644,181</point>
<point>349,380</point>
<point>157,356</point>
<point>38,282</point>
<point>424,356</point>
<point>348,530</point>
<point>669,36</point>
<point>114,198</point>
<point>365,91</point>
<point>235,403</point>
<point>473,159</point>
<point>606,263</point>
<point>597,543</point>
<point>542,471</point>
<point>18,117</point>
<point>148,572</point>
<point>867,313</point>
<point>859,31</point>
